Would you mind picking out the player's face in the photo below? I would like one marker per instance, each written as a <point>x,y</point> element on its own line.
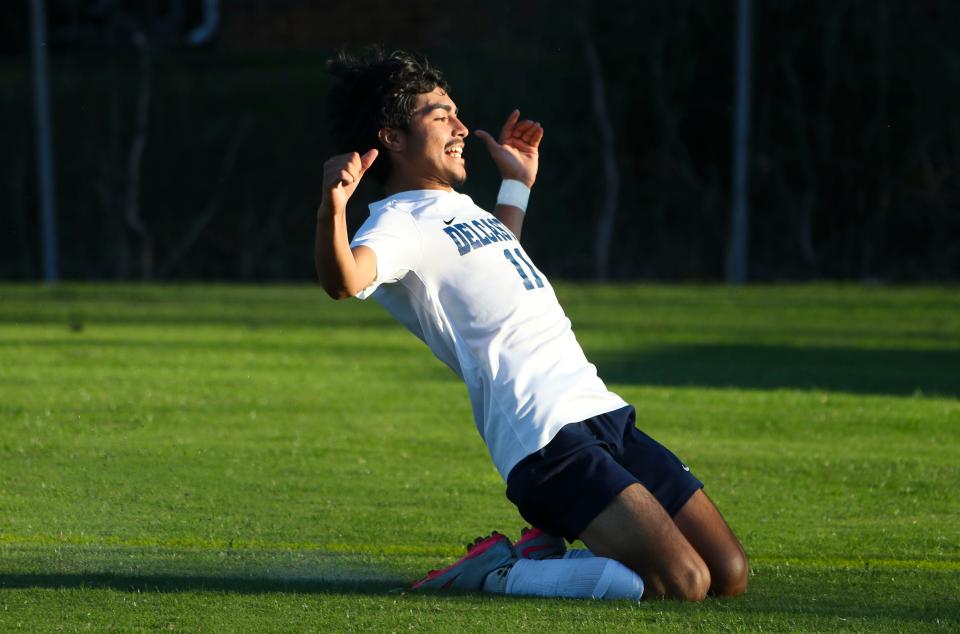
<point>435,140</point>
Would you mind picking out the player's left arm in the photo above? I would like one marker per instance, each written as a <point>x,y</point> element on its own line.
<point>516,154</point>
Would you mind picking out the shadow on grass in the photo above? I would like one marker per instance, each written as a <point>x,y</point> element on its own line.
<point>165,569</point>
<point>76,319</point>
<point>857,370</point>
<point>188,583</point>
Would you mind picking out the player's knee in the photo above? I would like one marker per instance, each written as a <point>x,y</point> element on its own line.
<point>698,584</point>
<point>691,582</point>
<point>730,577</point>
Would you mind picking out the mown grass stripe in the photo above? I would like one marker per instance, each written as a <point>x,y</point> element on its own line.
<point>193,543</point>
<point>411,549</point>
<point>846,564</point>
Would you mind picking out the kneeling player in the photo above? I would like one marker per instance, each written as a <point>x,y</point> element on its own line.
<point>457,277</point>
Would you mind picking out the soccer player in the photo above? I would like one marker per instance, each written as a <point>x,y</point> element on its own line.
<point>458,278</point>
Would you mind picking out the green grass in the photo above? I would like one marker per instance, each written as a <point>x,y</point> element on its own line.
<point>239,458</point>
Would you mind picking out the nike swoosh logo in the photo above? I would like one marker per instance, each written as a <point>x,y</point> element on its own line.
<point>685,467</point>
<point>446,222</point>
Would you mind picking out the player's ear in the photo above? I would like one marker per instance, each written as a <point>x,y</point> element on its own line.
<point>392,139</point>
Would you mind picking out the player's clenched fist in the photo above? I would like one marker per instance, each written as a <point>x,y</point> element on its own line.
<point>341,175</point>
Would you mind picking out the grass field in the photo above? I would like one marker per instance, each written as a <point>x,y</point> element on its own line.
<point>264,459</point>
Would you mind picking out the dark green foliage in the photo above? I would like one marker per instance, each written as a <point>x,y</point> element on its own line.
<point>856,135</point>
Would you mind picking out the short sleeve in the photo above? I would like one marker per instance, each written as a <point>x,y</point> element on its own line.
<point>395,239</point>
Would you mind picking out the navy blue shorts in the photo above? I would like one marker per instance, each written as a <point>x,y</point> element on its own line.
<point>562,487</point>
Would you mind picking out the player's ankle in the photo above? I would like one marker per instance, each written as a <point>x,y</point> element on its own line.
<point>496,581</point>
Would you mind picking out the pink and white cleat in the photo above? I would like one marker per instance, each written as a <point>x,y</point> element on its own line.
<point>536,544</point>
<point>484,555</point>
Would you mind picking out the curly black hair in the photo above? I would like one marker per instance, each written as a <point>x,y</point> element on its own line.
<point>375,90</point>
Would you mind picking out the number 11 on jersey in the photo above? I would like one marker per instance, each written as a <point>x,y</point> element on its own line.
<point>527,284</point>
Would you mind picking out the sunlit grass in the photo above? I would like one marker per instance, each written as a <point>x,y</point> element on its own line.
<point>262,458</point>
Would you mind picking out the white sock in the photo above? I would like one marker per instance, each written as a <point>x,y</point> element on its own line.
<point>577,578</point>
<point>578,553</point>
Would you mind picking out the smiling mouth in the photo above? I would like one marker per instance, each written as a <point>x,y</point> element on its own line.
<point>455,152</point>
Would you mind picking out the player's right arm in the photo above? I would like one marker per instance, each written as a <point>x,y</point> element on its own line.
<point>343,271</point>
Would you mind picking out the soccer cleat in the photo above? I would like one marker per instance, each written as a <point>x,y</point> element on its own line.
<point>484,555</point>
<point>536,544</point>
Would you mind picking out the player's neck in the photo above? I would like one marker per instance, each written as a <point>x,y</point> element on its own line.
<point>399,182</point>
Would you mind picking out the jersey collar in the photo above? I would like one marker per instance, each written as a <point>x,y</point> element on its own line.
<point>409,196</point>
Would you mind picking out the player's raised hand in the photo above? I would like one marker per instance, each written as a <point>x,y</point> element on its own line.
<point>516,152</point>
<point>341,175</point>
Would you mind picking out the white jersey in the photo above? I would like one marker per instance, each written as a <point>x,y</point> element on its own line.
<point>459,280</point>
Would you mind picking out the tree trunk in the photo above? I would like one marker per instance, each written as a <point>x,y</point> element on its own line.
<point>132,209</point>
<point>213,205</point>
<point>611,174</point>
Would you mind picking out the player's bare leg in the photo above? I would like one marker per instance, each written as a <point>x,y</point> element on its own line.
<point>635,530</point>
<point>708,533</point>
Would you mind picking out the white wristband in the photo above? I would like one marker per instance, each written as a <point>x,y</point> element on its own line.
<point>515,194</point>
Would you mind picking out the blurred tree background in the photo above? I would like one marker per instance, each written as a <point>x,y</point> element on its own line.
<point>183,153</point>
